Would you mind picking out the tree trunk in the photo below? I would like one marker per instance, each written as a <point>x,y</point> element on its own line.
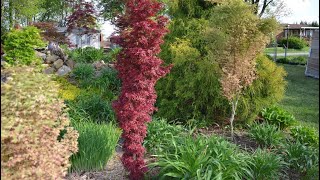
<point>11,23</point>
<point>234,104</point>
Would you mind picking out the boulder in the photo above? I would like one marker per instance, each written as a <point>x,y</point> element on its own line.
<point>58,64</point>
<point>51,59</point>
<point>63,70</point>
<point>99,65</point>
<point>41,55</point>
<point>111,65</point>
<point>70,63</point>
<point>49,70</point>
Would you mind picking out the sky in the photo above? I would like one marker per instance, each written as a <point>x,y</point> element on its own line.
<point>301,10</point>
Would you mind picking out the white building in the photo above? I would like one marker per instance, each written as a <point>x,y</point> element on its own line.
<point>81,39</point>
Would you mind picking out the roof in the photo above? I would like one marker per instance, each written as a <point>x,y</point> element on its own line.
<point>298,26</point>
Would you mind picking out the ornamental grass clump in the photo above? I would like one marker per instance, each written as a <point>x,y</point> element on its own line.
<point>141,30</point>
<point>97,143</point>
<point>31,121</point>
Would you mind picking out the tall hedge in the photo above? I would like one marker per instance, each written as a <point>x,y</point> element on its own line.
<point>31,121</point>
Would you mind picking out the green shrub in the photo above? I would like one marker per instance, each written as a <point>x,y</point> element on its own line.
<point>97,143</point>
<point>32,118</point>
<point>87,55</point>
<point>160,134</point>
<point>19,46</point>
<point>278,116</point>
<point>305,135</point>
<point>84,74</point>
<point>192,89</point>
<point>267,89</point>
<point>92,106</point>
<point>107,83</point>
<point>301,157</point>
<point>266,165</point>
<point>294,42</point>
<point>203,158</point>
<point>266,135</point>
<point>302,60</point>
<point>112,55</point>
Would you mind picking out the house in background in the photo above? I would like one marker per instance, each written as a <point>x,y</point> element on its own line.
<point>312,68</point>
<point>81,39</point>
<point>298,30</point>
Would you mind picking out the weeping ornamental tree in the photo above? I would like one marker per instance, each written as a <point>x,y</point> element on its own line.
<point>236,37</point>
<point>140,30</point>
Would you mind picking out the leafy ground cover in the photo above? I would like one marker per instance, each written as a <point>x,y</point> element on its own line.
<point>301,96</point>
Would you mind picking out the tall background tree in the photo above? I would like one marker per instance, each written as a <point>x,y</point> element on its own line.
<point>83,20</point>
<point>141,30</point>
<point>274,8</point>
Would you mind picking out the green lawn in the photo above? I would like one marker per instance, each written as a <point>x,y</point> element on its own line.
<point>302,96</point>
<point>281,50</point>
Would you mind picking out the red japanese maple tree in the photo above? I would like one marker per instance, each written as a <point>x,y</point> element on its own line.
<point>141,30</point>
<point>83,17</point>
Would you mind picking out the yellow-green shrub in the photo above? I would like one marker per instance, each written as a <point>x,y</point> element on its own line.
<point>267,89</point>
<point>19,46</point>
<point>31,121</point>
<point>67,91</point>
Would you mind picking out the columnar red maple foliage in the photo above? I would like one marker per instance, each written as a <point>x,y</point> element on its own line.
<point>141,30</point>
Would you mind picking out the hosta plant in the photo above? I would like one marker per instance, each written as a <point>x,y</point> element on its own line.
<point>306,135</point>
<point>278,116</point>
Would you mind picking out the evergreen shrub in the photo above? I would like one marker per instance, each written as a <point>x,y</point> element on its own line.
<point>19,46</point>
<point>267,89</point>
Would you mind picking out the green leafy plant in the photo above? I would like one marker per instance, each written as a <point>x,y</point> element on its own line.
<point>19,46</point>
<point>160,134</point>
<point>301,157</point>
<point>202,158</point>
<point>107,83</point>
<point>92,106</point>
<point>87,55</point>
<point>112,55</point>
<point>278,116</point>
<point>97,143</point>
<point>83,73</point>
<point>266,135</point>
<point>266,165</point>
<point>305,135</point>
<point>293,42</point>
<point>32,118</point>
